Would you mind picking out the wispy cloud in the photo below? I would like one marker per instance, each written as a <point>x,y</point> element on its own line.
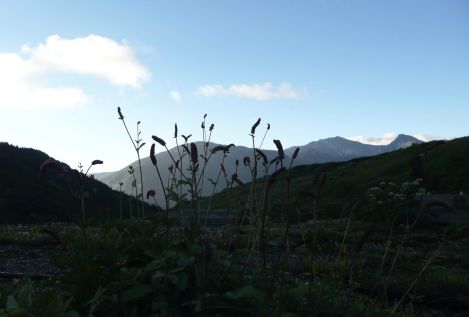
<point>389,137</point>
<point>260,92</point>
<point>384,140</point>
<point>175,95</point>
<point>22,75</point>
<point>428,138</point>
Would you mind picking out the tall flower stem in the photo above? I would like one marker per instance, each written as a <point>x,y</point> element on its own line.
<point>82,197</point>
<point>137,148</point>
<point>120,201</point>
<point>155,163</point>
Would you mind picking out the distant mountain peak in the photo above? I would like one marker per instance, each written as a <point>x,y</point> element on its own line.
<point>403,141</point>
<point>336,149</point>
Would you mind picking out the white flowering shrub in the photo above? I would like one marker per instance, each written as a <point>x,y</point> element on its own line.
<point>390,201</point>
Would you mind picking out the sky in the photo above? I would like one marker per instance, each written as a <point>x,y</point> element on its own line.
<point>365,70</point>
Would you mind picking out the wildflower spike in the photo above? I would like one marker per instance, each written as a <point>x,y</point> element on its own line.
<point>194,154</point>
<point>152,154</point>
<point>159,140</point>
<point>253,129</point>
<point>151,193</point>
<point>121,117</point>
<point>295,154</point>
<point>247,161</point>
<point>281,154</point>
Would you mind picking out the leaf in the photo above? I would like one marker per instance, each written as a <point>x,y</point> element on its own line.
<point>184,182</point>
<point>183,281</point>
<point>199,274</point>
<point>11,303</point>
<point>58,308</point>
<point>136,292</point>
<point>92,303</point>
<point>244,292</point>
<point>153,266</point>
<point>25,295</point>
<point>16,312</point>
<point>183,260</point>
<point>55,307</point>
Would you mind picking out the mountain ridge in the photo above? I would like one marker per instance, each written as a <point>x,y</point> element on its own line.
<point>338,149</point>
<point>335,149</point>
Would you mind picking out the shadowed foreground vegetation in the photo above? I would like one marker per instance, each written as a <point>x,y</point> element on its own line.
<point>341,239</point>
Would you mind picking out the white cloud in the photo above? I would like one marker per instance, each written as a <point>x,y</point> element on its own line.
<point>175,95</point>
<point>384,140</point>
<point>428,138</point>
<point>259,92</point>
<point>22,76</point>
<point>94,55</point>
<point>389,137</point>
<point>19,90</point>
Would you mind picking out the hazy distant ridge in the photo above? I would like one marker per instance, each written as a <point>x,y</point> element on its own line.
<point>338,149</point>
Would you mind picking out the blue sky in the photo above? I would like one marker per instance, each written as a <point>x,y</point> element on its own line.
<point>312,69</point>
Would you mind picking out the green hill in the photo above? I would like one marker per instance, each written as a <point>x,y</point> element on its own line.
<point>24,198</point>
<point>443,167</point>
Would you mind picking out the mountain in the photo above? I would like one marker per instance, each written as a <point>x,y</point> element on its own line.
<point>339,149</point>
<point>402,141</point>
<point>164,161</point>
<point>26,198</point>
<point>326,150</point>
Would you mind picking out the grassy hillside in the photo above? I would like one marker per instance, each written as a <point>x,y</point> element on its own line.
<point>443,167</point>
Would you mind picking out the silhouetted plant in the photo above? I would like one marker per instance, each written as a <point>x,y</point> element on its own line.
<point>155,163</point>
<point>63,171</point>
<point>120,199</point>
<point>137,146</point>
<point>151,193</point>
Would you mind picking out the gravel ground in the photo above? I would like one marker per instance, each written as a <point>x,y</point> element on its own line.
<point>27,260</point>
